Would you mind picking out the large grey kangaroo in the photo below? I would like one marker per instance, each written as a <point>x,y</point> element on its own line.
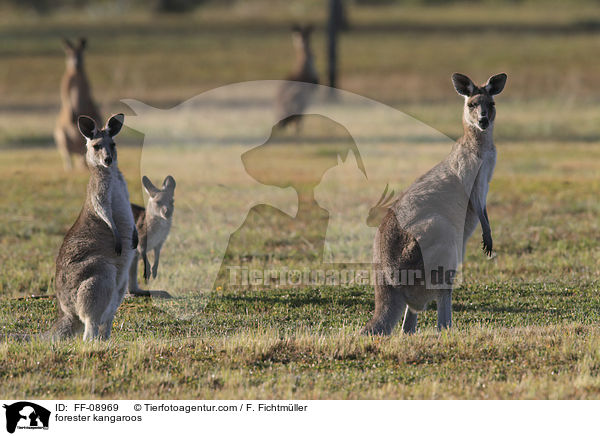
<point>92,267</point>
<point>429,225</point>
<point>76,99</point>
<point>153,224</point>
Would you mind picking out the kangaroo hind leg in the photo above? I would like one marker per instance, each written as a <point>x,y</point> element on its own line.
<point>93,299</point>
<point>444,310</point>
<point>409,325</point>
<point>389,307</point>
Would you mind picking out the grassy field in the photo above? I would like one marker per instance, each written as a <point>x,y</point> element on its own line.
<point>525,322</point>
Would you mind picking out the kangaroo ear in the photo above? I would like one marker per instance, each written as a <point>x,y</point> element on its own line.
<point>463,85</point>
<point>82,42</point>
<point>169,184</point>
<point>495,84</point>
<point>87,126</point>
<point>68,45</point>
<point>114,124</point>
<point>151,190</point>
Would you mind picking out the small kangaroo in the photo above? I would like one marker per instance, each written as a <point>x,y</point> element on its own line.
<point>92,267</point>
<point>153,225</point>
<point>76,99</point>
<point>292,98</point>
<point>429,225</point>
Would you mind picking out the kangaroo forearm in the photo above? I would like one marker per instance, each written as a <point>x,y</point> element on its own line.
<point>111,225</point>
<point>146,266</point>
<point>485,224</point>
<point>105,214</point>
<point>487,243</point>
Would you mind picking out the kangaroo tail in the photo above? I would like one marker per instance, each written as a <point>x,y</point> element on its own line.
<point>65,327</point>
<point>17,337</point>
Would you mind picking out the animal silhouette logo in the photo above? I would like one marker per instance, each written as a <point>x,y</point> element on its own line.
<point>26,415</point>
<point>263,199</point>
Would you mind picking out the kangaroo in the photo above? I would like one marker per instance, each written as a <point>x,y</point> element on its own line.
<point>153,224</point>
<point>293,98</point>
<point>93,262</point>
<point>429,225</point>
<point>76,99</point>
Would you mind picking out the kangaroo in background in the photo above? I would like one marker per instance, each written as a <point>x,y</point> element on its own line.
<point>153,225</point>
<point>293,99</point>
<point>76,99</point>
<point>93,262</point>
<point>429,225</point>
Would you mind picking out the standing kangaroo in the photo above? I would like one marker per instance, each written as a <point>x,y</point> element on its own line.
<point>92,267</point>
<point>293,98</point>
<point>76,99</point>
<point>427,228</point>
<point>153,224</point>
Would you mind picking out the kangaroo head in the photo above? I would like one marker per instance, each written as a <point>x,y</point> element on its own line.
<point>160,201</point>
<point>301,37</point>
<point>101,149</point>
<point>74,53</point>
<point>479,110</point>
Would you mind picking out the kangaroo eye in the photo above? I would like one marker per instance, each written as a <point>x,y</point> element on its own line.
<point>472,105</point>
<point>112,145</point>
<point>97,147</point>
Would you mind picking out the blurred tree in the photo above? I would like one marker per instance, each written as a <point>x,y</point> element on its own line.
<point>39,6</point>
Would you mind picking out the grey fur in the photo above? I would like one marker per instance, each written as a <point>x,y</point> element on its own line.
<point>153,224</point>
<point>429,225</point>
<point>93,263</point>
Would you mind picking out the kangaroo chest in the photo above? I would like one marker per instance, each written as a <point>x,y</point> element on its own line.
<point>158,229</point>
<point>121,210</point>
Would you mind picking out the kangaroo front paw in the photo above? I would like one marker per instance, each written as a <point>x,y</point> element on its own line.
<point>487,244</point>
<point>134,239</point>
<point>118,247</point>
<point>154,271</point>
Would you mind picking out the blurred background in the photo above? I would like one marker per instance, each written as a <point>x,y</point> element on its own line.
<point>400,52</point>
